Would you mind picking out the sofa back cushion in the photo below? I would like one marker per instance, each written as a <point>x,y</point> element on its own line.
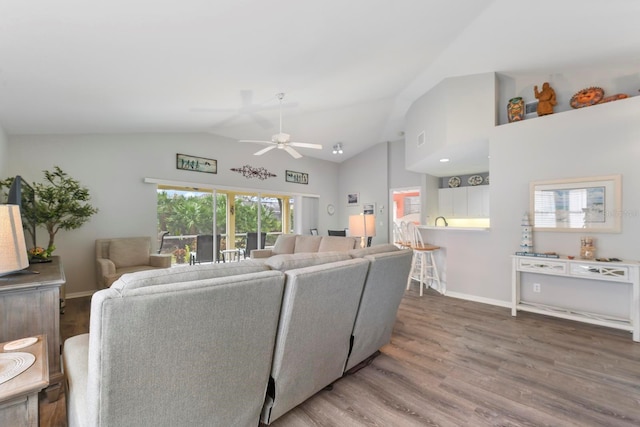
<point>372,250</point>
<point>186,273</point>
<point>128,252</point>
<point>291,261</point>
<point>284,244</point>
<point>307,244</point>
<point>199,351</point>
<point>336,243</point>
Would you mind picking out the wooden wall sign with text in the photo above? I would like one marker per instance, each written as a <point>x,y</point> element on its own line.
<point>297,177</point>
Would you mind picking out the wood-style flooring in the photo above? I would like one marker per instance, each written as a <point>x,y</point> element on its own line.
<point>458,363</point>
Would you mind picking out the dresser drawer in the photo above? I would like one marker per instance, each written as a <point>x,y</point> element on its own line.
<point>537,265</point>
<point>600,272</point>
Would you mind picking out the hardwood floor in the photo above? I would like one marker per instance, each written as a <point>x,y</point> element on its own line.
<point>458,363</point>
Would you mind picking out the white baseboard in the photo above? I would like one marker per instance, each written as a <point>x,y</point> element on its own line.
<point>476,298</point>
<point>80,294</point>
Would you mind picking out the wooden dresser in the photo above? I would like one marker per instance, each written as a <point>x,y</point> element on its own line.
<point>29,306</point>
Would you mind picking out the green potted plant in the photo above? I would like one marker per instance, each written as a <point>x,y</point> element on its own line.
<point>61,203</point>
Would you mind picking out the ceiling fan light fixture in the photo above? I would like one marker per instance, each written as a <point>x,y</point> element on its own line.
<point>337,148</point>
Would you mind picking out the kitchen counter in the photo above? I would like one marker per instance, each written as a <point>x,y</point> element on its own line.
<point>450,228</point>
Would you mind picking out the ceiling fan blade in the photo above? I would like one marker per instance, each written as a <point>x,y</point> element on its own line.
<point>258,141</point>
<point>264,150</point>
<point>306,145</point>
<point>293,152</point>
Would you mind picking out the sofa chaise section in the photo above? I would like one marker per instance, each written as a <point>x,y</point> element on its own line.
<point>163,352</point>
<point>317,316</point>
<point>383,290</point>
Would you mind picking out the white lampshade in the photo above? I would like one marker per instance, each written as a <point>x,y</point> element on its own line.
<point>362,226</point>
<point>13,250</point>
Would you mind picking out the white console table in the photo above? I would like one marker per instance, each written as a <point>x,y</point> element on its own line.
<point>621,272</point>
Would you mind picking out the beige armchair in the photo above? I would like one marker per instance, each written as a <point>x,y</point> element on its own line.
<point>115,257</point>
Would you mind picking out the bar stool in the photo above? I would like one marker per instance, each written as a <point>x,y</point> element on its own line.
<point>423,265</point>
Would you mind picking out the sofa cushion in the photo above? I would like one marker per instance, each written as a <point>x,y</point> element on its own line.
<point>336,243</point>
<point>307,244</point>
<point>372,250</point>
<point>186,273</point>
<point>284,244</point>
<point>291,261</point>
<point>129,252</point>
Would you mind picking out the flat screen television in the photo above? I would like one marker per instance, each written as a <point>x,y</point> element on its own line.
<point>22,194</point>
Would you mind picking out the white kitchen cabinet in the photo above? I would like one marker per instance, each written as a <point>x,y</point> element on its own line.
<point>478,201</point>
<point>452,202</point>
<point>464,202</point>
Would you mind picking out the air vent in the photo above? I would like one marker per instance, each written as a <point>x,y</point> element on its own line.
<point>421,139</point>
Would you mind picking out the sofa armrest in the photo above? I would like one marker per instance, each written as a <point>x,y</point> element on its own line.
<point>261,253</point>
<point>160,260</point>
<point>105,268</point>
<point>75,360</point>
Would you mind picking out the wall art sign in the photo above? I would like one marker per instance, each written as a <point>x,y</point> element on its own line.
<point>251,172</point>
<point>197,164</point>
<point>353,199</point>
<point>297,177</point>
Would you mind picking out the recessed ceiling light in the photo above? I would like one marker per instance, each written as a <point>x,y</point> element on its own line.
<point>445,160</point>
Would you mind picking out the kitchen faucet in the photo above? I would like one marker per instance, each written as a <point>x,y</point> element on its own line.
<point>443,218</point>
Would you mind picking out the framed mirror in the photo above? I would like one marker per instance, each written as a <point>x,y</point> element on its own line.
<point>591,204</point>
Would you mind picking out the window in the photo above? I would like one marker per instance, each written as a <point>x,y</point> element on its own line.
<point>184,213</point>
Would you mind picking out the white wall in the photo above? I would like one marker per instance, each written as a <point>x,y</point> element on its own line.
<point>367,174</point>
<point>593,141</point>
<point>4,153</point>
<point>113,167</point>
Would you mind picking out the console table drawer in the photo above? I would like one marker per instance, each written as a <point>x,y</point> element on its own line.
<point>601,272</point>
<point>537,265</point>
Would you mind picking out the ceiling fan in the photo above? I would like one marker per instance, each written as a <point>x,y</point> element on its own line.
<point>282,141</point>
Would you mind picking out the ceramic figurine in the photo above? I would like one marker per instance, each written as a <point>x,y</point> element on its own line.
<point>546,99</point>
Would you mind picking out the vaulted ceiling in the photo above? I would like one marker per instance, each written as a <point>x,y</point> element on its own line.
<point>350,69</point>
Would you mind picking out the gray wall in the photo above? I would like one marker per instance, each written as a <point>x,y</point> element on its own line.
<point>367,174</point>
<point>4,153</point>
<point>114,167</point>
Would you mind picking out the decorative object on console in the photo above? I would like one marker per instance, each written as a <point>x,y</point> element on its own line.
<point>363,226</point>
<point>587,248</point>
<point>515,109</point>
<point>546,99</point>
<point>39,254</point>
<point>587,97</point>
<point>12,245</point>
<point>251,172</point>
<point>613,98</point>
<point>526,243</point>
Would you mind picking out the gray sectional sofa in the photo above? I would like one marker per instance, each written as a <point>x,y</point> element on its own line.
<point>298,243</point>
<point>230,344</point>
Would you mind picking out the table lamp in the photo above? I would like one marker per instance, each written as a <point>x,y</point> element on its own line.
<point>362,226</point>
<point>13,250</point>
